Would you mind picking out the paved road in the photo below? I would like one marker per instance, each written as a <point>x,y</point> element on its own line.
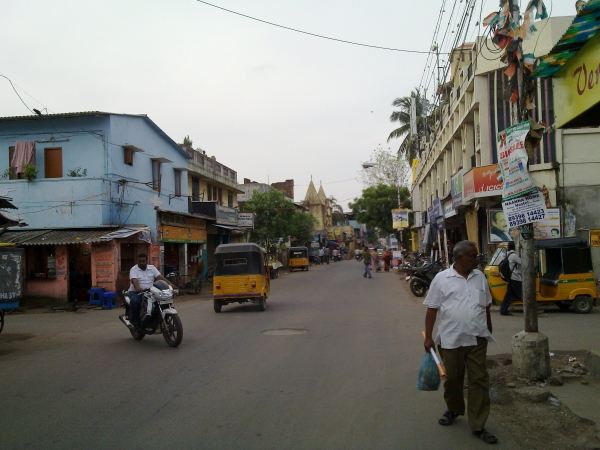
<point>79,381</point>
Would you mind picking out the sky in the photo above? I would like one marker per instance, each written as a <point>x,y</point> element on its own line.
<point>269,103</point>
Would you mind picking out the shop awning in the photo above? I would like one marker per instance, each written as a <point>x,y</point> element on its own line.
<point>8,220</point>
<point>5,204</point>
<point>67,236</point>
<point>228,227</point>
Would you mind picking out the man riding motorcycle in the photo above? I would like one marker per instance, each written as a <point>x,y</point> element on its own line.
<point>142,277</point>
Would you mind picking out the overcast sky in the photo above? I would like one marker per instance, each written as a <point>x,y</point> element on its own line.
<point>270,103</point>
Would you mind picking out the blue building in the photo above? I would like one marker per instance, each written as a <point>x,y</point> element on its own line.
<point>95,189</point>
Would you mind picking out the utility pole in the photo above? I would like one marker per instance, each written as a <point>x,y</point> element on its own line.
<point>530,348</point>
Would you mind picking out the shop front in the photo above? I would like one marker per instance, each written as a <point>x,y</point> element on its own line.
<point>184,240</point>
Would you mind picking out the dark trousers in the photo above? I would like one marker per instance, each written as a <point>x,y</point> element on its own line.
<point>327,259</point>
<point>135,305</point>
<point>473,358</point>
<point>514,289</point>
<point>367,273</point>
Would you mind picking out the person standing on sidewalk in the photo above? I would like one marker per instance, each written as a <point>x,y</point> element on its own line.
<point>326,252</point>
<point>462,297</point>
<point>515,284</point>
<point>367,261</point>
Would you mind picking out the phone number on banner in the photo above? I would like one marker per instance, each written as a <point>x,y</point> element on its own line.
<point>528,217</point>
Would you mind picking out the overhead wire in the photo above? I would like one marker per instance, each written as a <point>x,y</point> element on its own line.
<point>308,33</point>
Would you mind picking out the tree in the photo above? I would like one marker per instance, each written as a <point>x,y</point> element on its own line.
<point>337,212</point>
<point>302,224</point>
<point>409,146</point>
<point>187,141</point>
<point>374,207</point>
<point>273,217</point>
<point>387,169</point>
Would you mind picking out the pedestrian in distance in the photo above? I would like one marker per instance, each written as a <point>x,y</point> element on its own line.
<point>515,284</point>
<point>326,253</point>
<point>462,298</point>
<point>336,254</point>
<point>321,255</point>
<point>367,258</point>
<point>387,258</point>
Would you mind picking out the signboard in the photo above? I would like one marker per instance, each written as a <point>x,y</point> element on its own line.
<point>548,228</point>
<point>246,220</point>
<point>523,210</point>
<point>400,218</point>
<point>11,274</point>
<point>449,210</point>
<point>225,215</point>
<point>397,257</point>
<point>393,241</point>
<point>481,182</point>
<point>512,158</point>
<point>456,189</point>
<point>183,235</point>
<point>595,238</point>
<point>437,209</point>
<point>576,84</point>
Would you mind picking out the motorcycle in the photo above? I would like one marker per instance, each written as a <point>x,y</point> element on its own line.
<point>157,314</point>
<point>423,276</point>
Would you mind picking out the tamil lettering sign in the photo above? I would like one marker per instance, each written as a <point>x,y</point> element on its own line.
<point>400,218</point>
<point>512,158</point>
<point>577,83</point>
<point>225,215</point>
<point>246,220</point>
<point>522,210</point>
<point>481,182</point>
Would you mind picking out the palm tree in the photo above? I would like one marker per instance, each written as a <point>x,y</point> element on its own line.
<point>409,147</point>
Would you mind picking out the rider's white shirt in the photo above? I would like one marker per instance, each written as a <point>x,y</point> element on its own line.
<point>145,277</point>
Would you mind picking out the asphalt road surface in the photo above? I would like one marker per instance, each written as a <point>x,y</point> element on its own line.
<point>331,364</point>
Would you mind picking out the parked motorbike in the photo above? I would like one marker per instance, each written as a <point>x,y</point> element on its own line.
<point>423,276</point>
<point>157,314</point>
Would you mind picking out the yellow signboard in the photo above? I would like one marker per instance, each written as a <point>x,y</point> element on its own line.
<point>595,238</point>
<point>400,218</point>
<point>577,83</point>
<point>183,235</point>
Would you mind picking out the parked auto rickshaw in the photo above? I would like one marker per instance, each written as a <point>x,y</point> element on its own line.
<point>298,258</point>
<point>564,274</point>
<point>241,276</point>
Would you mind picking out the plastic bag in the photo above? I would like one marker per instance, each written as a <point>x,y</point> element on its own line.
<point>370,266</point>
<point>429,376</point>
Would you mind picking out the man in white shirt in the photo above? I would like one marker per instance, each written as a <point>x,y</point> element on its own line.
<point>515,284</point>
<point>142,277</point>
<point>321,255</point>
<point>462,298</point>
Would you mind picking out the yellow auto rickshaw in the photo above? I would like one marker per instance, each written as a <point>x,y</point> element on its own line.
<point>298,258</point>
<point>241,276</point>
<point>564,274</point>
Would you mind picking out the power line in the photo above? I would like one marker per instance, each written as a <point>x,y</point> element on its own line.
<point>312,34</point>
<point>14,89</point>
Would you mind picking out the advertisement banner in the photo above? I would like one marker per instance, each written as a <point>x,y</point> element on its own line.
<point>437,209</point>
<point>523,210</point>
<point>246,220</point>
<point>481,182</point>
<point>501,231</point>
<point>449,210</point>
<point>456,188</point>
<point>550,227</point>
<point>397,257</point>
<point>595,238</point>
<point>512,158</point>
<point>400,218</point>
<point>183,235</point>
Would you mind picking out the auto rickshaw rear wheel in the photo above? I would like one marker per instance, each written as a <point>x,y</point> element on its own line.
<point>582,304</point>
<point>262,303</point>
<point>217,305</point>
<point>564,305</point>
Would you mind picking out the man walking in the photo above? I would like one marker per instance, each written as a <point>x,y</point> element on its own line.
<point>515,284</point>
<point>326,251</point>
<point>462,297</point>
<point>367,261</point>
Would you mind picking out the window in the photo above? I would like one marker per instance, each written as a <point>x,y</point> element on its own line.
<point>220,196</point>
<point>156,175</point>
<point>53,163</point>
<point>128,156</point>
<point>230,199</point>
<point>195,189</point>
<point>209,190</point>
<point>177,177</point>
<point>37,259</point>
<point>13,170</point>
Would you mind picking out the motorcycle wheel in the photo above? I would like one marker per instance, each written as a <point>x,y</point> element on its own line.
<point>138,335</point>
<point>417,288</point>
<point>173,331</point>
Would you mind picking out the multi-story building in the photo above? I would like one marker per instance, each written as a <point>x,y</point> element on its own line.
<point>455,187</point>
<point>95,190</point>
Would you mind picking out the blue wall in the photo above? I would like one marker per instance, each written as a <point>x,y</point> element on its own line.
<point>99,199</point>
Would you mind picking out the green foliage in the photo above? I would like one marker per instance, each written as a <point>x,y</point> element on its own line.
<point>301,225</point>
<point>6,174</point>
<point>273,217</point>
<point>187,141</point>
<point>375,206</point>
<point>76,173</point>
<point>29,172</point>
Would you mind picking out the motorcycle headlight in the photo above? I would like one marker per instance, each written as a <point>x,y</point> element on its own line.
<point>166,294</point>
